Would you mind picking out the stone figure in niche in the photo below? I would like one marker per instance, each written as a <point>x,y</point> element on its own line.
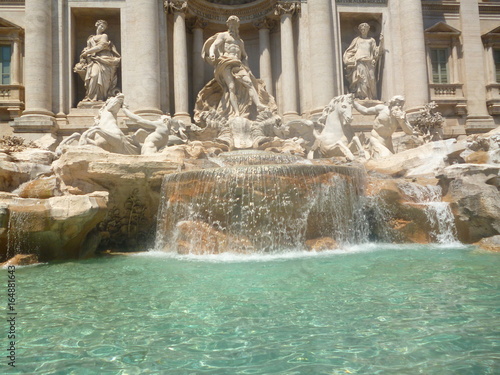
<point>226,52</point>
<point>338,137</point>
<point>235,104</point>
<point>234,91</point>
<point>387,119</point>
<point>360,61</point>
<point>106,133</point>
<point>98,65</point>
<point>166,131</point>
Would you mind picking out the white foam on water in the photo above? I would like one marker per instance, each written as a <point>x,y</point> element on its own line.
<point>6,266</point>
<point>230,257</point>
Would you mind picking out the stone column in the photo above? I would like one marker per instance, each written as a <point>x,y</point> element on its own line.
<point>286,10</point>
<point>38,59</point>
<point>265,68</point>
<point>15,63</point>
<point>414,55</point>
<point>198,63</point>
<point>321,53</point>
<point>181,93</point>
<point>454,56</point>
<point>478,118</point>
<point>143,81</point>
<point>490,64</point>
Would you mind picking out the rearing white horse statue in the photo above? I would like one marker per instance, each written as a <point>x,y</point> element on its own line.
<point>337,135</point>
<point>106,133</point>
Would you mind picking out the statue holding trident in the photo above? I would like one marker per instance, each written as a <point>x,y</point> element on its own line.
<point>360,60</point>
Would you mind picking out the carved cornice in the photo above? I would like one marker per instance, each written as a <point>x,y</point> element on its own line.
<point>486,8</point>
<point>361,1</point>
<point>175,6</point>
<point>217,13</point>
<point>447,6</point>
<point>286,7</point>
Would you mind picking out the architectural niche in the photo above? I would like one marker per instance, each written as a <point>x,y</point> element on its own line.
<point>11,89</point>
<point>445,81</point>
<point>491,41</point>
<point>217,11</point>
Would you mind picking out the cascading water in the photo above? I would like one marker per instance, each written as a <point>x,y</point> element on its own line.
<point>261,207</point>
<point>438,213</point>
<point>19,225</point>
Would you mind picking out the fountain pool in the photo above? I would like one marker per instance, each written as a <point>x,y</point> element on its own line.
<point>368,309</point>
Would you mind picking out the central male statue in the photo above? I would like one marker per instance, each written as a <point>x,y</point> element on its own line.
<point>234,92</point>
<point>228,56</point>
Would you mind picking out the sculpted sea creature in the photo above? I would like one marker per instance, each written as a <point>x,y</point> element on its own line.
<point>337,135</point>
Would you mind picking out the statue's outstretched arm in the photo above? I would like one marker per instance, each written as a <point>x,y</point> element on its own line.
<point>139,119</point>
<point>365,111</point>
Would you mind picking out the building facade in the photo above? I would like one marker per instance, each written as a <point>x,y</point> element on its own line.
<point>447,51</point>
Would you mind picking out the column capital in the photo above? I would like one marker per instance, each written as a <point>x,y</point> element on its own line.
<point>265,23</point>
<point>196,23</point>
<point>175,6</point>
<point>287,8</point>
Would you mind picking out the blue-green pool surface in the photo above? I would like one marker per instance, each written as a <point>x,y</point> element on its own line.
<point>371,309</point>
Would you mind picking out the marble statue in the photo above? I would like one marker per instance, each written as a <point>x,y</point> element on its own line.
<point>337,136</point>
<point>387,119</point>
<point>360,61</point>
<point>234,104</point>
<point>166,131</point>
<point>234,91</point>
<point>98,65</point>
<point>106,133</point>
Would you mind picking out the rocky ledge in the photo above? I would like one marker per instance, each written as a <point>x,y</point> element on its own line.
<point>89,199</point>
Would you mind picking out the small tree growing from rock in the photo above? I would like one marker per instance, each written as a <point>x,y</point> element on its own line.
<point>429,122</point>
<point>9,144</point>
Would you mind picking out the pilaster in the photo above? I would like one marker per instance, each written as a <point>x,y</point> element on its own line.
<point>264,25</point>
<point>38,116</point>
<point>143,82</point>
<point>322,63</point>
<point>414,55</point>
<point>181,94</point>
<point>478,118</point>
<point>286,11</point>
<point>198,64</point>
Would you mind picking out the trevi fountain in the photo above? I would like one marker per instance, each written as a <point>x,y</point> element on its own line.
<point>248,243</point>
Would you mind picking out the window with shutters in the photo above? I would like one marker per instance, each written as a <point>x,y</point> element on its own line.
<point>439,62</point>
<point>5,59</point>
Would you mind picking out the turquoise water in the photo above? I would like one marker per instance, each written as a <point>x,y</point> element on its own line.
<point>369,310</point>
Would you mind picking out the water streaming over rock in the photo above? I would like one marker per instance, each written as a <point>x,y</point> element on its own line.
<point>261,207</point>
<point>438,213</point>
<point>20,222</point>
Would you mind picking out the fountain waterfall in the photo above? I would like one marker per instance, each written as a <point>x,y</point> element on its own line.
<point>261,202</point>
<point>438,213</point>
